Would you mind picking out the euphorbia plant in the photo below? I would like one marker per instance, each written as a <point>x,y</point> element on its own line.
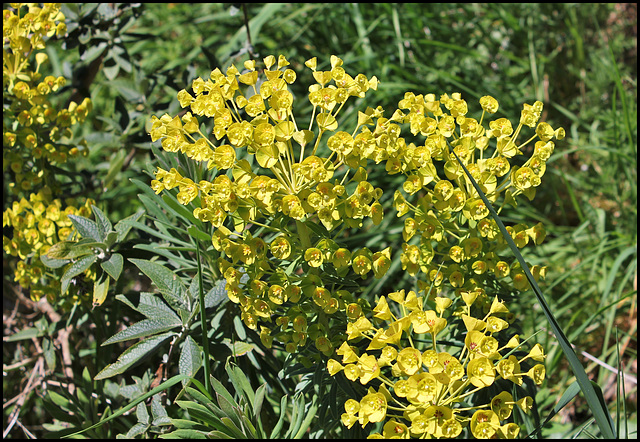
<point>284,192</point>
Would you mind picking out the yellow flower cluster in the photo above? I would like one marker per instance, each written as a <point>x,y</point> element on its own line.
<point>421,390</point>
<point>35,134</point>
<point>300,185</point>
<point>39,223</point>
<point>281,195</point>
<point>446,216</point>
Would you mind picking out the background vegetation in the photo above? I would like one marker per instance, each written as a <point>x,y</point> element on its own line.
<point>132,59</point>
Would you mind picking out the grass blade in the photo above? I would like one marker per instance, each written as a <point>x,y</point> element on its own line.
<point>592,394</point>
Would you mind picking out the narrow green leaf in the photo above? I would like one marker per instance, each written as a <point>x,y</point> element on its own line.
<point>184,424</point>
<point>198,396</point>
<point>275,433</point>
<point>227,407</point>
<point>74,270</point>
<point>233,428</point>
<point>86,228</point>
<point>144,328</point>
<point>258,401</point>
<point>152,208</point>
<point>304,426</point>
<point>59,400</point>
<point>202,413</point>
<point>569,394</point>
<point>165,385</point>
<point>178,209</point>
<point>113,266</point>
<point>219,435</point>
<point>27,333</point>
<point>56,411</point>
<point>114,169</point>
<point>186,434</point>
<point>133,355</point>
<point>158,234</point>
<point>219,388</point>
<point>240,382</point>
<point>199,234</point>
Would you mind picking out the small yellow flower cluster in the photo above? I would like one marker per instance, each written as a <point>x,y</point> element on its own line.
<point>446,216</point>
<point>35,133</point>
<point>38,224</point>
<point>421,391</point>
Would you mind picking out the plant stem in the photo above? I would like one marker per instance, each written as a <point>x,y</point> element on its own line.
<point>203,323</point>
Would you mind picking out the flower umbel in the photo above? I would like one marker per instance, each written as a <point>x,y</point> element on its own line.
<point>281,192</point>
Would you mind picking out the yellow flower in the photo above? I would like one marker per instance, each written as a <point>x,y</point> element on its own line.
<point>347,353</point>
<point>387,356</point>
<point>502,405</point>
<point>381,310</point>
<point>489,104</point>
<point>334,366</point>
<point>537,353</point>
<point>481,372</point>
<point>509,431</point>
<point>313,256</point>
<point>409,360</point>
<point>509,369</point>
<point>537,373</point>
<point>373,408</point>
<point>422,388</point>
<point>369,368</point>
<point>395,430</point>
<point>525,404</point>
<point>484,424</point>
<point>437,417</point>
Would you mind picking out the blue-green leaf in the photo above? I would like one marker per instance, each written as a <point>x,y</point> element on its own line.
<point>190,359</point>
<point>133,355</point>
<point>74,270</point>
<point>113,266</point>
<point>125,224</point>
<point>170,285</point>
<point>86,228</point>
<point>27,333</point>
<point>53,263</point>
<point>186,434</point>
<point>153,307</point>
<point>103,223</point>
<point>158,412</point>
<point>144,328</point>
